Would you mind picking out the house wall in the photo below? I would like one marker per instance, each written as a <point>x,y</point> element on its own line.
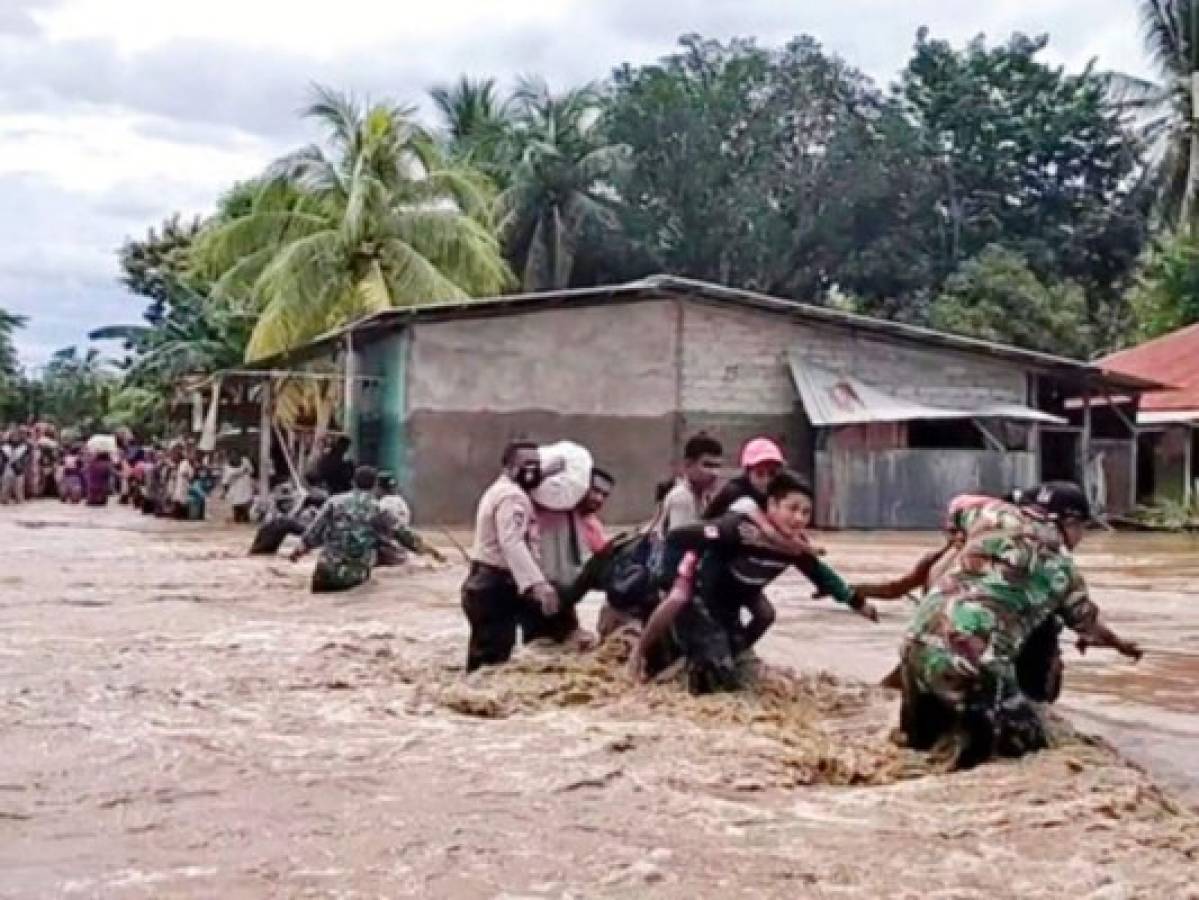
<point>1170,460</point>
<point>910,488</point>
<point>1117,473</point>
<point>603,376</point>
<point>736,383</point>
<point>632,381</point>
<point>735,362</point>
<point>380,438</point>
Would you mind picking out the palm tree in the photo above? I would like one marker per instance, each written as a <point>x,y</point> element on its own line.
<point>76,388</point>
<point>560,186</point>
<point>9,323</point>
<point>476,123</point>
<point>378,220</point>
<point>1166,110</point>
<point>194,335</point>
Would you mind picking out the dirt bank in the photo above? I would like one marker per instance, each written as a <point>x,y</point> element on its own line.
<point>179,720</point>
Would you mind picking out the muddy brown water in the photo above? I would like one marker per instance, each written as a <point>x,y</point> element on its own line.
<point>179,720</point>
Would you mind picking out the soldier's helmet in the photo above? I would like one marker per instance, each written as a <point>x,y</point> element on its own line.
<point>1062,500</point>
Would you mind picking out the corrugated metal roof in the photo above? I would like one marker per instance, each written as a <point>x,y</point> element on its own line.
<point>1172,359</point>
<point>669,286</point>
<point>838,398</point>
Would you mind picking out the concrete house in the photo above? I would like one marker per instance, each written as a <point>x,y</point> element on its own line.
<point>889,420</point>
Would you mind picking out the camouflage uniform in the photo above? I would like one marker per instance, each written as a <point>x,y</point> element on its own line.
<point>349,529</point>
<point>961,649</point>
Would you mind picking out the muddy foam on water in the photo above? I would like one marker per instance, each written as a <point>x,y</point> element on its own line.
<point>785,729</point>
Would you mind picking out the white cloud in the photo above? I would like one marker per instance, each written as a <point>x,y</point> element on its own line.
<point>91,152</point>
<point>115,113</point>
<point>316,28</point>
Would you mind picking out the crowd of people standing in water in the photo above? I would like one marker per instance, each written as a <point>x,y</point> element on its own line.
<point>173,481</point>
<point>980,657</point>
<point>35,462</point>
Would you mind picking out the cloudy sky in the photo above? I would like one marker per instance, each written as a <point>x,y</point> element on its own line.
<point>114,113</point>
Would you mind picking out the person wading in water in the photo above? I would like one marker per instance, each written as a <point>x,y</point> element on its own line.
<point>959,661</point>
<point>506,590</point>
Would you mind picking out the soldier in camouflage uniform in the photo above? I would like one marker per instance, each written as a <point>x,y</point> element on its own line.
<point>350,529</point>
<point>959,657</point>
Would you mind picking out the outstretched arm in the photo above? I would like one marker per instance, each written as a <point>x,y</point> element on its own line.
<point>829,584</point>
<point>1082,616</point>
<point>314,534</point>
<point>1100,635</point>
<point>408,538</point>
<point>916,579</point>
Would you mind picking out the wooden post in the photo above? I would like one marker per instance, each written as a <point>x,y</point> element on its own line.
<point>1034,444</point>
<point>264,439</point>
<point>1034,430</point>
<point>348,406</point>
<point>1188,462</point>
<point>1085,441</point>
<point>1136,470</point>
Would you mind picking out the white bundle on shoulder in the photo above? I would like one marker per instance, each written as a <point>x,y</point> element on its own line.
<point>570,467</point>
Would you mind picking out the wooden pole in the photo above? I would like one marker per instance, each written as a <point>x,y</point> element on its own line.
<point>1188,462</point>
<point>1133,487</point>
<point>1085,441</point>
<point>264,439</point>
<point>1034,444</point>
<point>348,414</point>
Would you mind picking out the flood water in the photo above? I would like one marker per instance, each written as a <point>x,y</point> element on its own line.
<point>177,719</point>
<point>1148,588</point>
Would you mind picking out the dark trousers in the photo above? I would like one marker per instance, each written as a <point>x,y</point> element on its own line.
<point>989,726</point>
<point>326,581</point>
<point>241,513</point>
<point>1039,667</point>
<point>496,611</point>
<point>709,641</point>
<point>271,535</point>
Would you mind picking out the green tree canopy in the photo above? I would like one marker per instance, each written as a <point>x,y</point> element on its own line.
<point>152,266</point>
<point>559,187</point>
<point>74,389</point>
<point>476,125</point>
<point>377,218</point>
<point>1032,159</point>
<point>186,331</point>
<point>1167,295</point>
<point>730,169</point>
<point>998,297</point>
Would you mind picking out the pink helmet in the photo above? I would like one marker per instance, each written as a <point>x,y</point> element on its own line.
<point>761,450</point>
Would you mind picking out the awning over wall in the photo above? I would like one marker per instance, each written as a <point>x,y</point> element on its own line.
<point>832,399</point>
<point>1169,417</point>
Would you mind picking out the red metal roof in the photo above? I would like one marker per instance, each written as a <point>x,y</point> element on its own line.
<point>1171,359</point>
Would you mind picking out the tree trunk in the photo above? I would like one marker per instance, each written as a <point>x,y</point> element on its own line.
<point>1187,214</point>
